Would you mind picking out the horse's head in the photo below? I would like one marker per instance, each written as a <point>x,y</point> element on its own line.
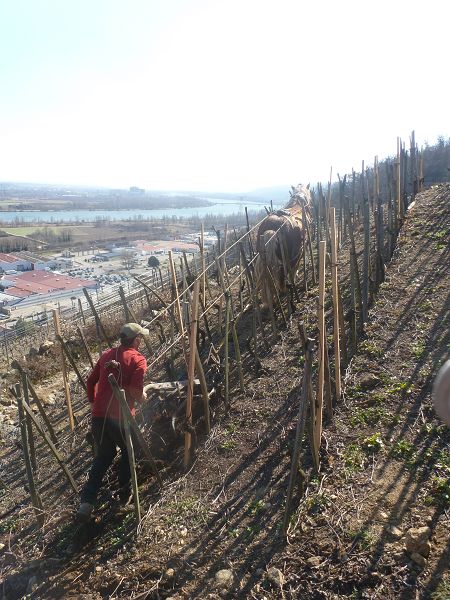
<point>300,196</point>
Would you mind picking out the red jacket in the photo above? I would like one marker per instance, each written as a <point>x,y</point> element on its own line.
<point>129,376</point>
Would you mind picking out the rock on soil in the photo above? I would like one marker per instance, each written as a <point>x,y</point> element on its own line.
<point>417,541</point>
<point>224,578</point>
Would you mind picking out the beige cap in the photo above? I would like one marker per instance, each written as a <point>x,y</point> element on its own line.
<point>131,330</point>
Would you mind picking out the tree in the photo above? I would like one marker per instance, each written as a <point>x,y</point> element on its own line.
<point>127,258</point>
<point>23,327</point>
<point>153,262</point>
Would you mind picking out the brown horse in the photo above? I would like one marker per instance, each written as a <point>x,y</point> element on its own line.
<point>281,232</point>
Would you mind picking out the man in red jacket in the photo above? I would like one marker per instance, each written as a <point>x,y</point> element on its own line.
<point>128,366</point>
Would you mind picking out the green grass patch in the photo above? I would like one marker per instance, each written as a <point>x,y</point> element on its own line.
<point>370,348</point>
<point>418,349</point>
<point>363,539</point>
<point>370,416</point>
<point>372,443</point>
<point>354,459</point>
<point>404,450</point>
<point>442,591</point>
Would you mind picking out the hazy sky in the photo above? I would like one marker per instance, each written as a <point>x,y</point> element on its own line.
<point>219,95</point>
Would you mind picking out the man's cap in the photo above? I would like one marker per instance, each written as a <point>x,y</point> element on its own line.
<point>131,330</point>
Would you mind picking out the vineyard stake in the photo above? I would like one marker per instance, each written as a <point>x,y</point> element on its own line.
<point>334,285</point>
<point>52,447</point>
<point>64,372</point>
<point>38,402</point>
<point>301,422</point>
<point>85,346</point>
<point>191,373</point>
<point>321,349</point>
<point>126,413</point>
<point>35,497</point>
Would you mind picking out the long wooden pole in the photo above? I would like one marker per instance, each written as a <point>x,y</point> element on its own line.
<point>26,399</point>
<point>64,371</point>
<point>203,263</point>
<point>321,348</point>
<point>366,259</point>
<point>96,316</point>
<point>85,346</point>
<point>399,212</point>
<point>191,373</point>
<point>178,307</point>
<point>120,396</point>
<point>301,421</point>
<point>134,426</point>
<point>52,447</point>
<point>35,498</point>
<point>72,361</point>
<point>334,285</point>
<point>37,400</point>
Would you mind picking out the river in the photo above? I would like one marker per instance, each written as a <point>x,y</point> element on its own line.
<point>221,207</point>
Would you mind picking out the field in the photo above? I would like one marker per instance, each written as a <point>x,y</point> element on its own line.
<point>81,236</point>
<point>215,531</point>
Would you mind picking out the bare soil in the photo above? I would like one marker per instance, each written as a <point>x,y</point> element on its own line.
<point>385,468</point>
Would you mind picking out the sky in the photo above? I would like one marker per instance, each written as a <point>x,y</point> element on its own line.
<point>216,95</point>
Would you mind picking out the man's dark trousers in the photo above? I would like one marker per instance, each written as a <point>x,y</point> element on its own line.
<point>108,435</point>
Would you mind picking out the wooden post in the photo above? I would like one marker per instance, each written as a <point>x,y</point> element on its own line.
<point>126,413</point>
<point>413,167</point>
<point>241,299</point>
<point>186,264</point>
<point>353,257</point>
<point>421,178</point>
<point>81,311</point>
<point>301,421</point>
<point>64,372</point>
<point>131,460</point>
<point>16,365</point>
<point>72,361</point>
<point>178,307</point>
<point>237,349</point>
<point>399,211</point>
<point>404,161</point>
<point>28,423</point>
<point>321,348</point>
<point>203,263</point>
<point>327,382</point>
<point>366,260</point>
<point>35,498</point>
<point>226,349</point>
<point>311,254</point>
<point>97,318</point>
<point>335,290</point>
<point>152,290</point>
<point>353,329</point>
<point>52,447</point>
<point>204,388</point>
<point>120,396</point>
<point>191,374</point>
<point>86,347</point>
<point>129,317</point>
<point>250,244</point>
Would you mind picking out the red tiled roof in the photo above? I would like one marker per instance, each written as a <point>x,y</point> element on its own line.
<point>10,258</point>
<point>44,282</point>
<point>13,291</point>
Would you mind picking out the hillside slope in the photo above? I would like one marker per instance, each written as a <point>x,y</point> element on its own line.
<point>385,470</point>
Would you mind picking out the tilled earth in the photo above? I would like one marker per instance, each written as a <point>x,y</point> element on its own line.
<point>216,530</point>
